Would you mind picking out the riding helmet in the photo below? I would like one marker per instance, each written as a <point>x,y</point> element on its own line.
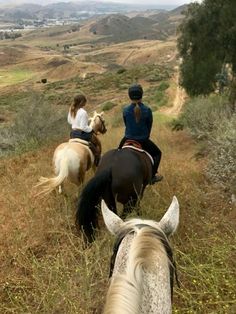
<point>135,92</point>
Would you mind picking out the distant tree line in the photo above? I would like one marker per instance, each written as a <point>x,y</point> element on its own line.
<point>207,46</point>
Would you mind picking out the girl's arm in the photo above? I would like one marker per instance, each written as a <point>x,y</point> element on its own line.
<point>84,122</point>
<point>149,121</point>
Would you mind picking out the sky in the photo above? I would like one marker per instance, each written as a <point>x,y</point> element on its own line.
<point>156,2</point>
<point>153,2</point>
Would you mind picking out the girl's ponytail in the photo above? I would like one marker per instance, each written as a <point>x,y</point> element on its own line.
<point>72,110</point>
<point>137,112</point>
<point>79,101</point>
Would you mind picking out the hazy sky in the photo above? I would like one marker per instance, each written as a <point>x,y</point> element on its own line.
<point>157,2</point>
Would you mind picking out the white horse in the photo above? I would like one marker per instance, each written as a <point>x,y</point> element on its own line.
<point>72,159</point>
<point>142,266</point>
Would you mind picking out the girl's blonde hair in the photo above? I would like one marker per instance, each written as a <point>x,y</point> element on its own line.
<point>79,102</point>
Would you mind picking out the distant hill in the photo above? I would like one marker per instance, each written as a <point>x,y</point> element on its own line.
<point>122,28</point>
<point>110,27</point>
<point>179,10</point>
<point>60,10</point>
<point>63,10</point>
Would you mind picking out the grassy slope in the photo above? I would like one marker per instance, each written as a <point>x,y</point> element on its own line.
<point>45,269</point>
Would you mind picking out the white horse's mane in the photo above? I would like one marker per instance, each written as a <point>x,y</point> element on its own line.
<point>125,292</point>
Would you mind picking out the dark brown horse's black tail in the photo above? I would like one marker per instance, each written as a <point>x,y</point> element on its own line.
<point>86,215</point>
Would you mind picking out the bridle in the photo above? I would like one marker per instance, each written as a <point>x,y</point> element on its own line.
<point>162,237</point>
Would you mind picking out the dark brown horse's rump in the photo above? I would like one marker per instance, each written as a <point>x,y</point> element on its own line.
<point>121,176</point>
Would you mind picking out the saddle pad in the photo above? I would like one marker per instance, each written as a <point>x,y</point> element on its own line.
<point>139,150</point>
<point>79,140</point>
<point>86,144</point>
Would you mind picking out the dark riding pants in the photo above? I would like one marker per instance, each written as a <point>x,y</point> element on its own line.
<point>81,134</point>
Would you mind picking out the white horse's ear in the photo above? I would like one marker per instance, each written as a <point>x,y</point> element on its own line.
<point>95,113</point>
<point>102,113</point>
<point>112,221</point>
<point>170,220</point>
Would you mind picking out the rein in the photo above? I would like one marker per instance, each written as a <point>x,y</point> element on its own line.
<point>161,236</point>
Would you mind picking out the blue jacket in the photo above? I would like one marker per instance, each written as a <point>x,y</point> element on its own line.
<point>137,130</point>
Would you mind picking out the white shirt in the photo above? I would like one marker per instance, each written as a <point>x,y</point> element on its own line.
<point>80,121</point>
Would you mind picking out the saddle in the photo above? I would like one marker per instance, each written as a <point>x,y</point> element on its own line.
<point>89,145</point>
<point>138,147</point>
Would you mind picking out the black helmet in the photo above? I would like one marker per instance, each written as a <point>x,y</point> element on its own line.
<point>135,92</point>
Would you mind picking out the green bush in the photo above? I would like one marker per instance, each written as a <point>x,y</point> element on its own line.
<point>203,115</point>
<point>163,86</point>
<point>37,122</point>
<point>108,106</point>
<point>210,120</point>
<point>222,158</point>
<point>121,70</point>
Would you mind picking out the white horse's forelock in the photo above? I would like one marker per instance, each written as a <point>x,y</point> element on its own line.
<point>141,282</point>
<point>127,291</point>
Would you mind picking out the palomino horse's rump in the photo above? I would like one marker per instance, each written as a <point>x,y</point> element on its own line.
<point>71,160</point>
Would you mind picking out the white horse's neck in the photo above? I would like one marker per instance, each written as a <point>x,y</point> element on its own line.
<point>141,278</point>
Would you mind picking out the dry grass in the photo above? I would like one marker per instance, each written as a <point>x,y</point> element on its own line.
<point>46,270</point>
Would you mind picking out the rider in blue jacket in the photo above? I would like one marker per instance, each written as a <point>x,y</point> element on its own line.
<point>138,124</point>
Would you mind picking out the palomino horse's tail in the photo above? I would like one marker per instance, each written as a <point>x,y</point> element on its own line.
<point>86,215</point>
<point>47,185</point>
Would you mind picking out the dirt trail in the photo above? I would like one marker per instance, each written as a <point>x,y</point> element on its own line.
<point>179,99</point>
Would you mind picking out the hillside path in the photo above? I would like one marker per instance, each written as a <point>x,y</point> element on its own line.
<point>180,96</point>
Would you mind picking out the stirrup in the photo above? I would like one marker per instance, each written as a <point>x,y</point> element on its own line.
<point>156,178</point>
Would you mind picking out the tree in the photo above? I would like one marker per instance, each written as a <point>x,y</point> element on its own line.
<point>207,42</point>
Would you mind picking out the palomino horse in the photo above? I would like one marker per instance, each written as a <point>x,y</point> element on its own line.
<point>72,159</point>
<point>142,266</point>
<point>122,176</point>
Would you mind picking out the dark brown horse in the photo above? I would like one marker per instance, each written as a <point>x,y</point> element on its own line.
<point>121,176</point>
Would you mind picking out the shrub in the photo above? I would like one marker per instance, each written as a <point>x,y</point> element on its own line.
<point>121,70</point>
<point>36,123</point>
<point>163,86</point>
<point>222,165</point>
<point>108,106</point>
<point>211,121</point>
<point>203,115</point>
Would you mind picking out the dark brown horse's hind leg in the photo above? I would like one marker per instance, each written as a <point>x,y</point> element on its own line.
<point>129,206</point>
<point>112,205</point>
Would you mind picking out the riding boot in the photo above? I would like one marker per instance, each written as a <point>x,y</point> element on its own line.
<point>97,160</point>
<point>155,176</point>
